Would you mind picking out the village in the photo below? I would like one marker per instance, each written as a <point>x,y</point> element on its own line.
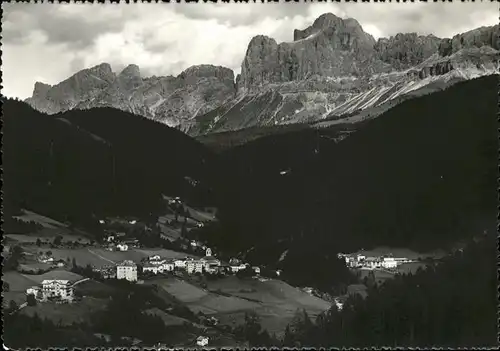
<point>63,268</point>
<point>384,262</point>
<point>66,268</point>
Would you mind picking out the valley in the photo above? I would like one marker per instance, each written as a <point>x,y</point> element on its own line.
<point>284,226</point>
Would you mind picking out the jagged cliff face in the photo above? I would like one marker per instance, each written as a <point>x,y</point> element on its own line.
<point>333,71</point>
<point>406,50</point>
<point>331,47</point>
<point>172,100</point>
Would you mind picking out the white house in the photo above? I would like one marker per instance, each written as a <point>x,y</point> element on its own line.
<point>165,267</point>
<point>180,264</point>
<point>45,259</point>
<point>234,269</point>
<point>154,258</point>
<point>62,289</point>
<point>202,341</point>
<point>339,302</point>
<point>350,261</point>
<point>127,270</point>
<point>34,290</point>
<point>122,247</point>
<point>60,263</point>
<point>151,268</point>
<point>256,270</point>
<point>196,243</point>
<point>372,263</point>
<point>195,266</point>
<point>389,263</point>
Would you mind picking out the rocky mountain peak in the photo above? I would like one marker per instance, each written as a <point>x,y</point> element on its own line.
<point>207,71</point>
<point>130,78</point>
<point>98,75</point>
<point>102,70</point>
<point>331,46</point>
<point>131,70</point>
<point>327,20</point>
<point>332,26</point>
<point>41,89</point>
<point>479,37</point>
<point>406,49</point>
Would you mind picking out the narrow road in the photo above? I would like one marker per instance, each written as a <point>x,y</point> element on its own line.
<point>101,257</point>
<point>21,306</point>
<point>80,281</point>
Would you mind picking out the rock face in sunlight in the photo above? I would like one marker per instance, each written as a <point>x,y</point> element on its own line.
<point>332,72</point>
<point>171,100</point>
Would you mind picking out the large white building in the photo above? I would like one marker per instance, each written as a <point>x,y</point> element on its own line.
<point>127,270</point>
<point>195,266</point>
<point>57,288</point>
<point>389,263</point>
<point>52,289</point>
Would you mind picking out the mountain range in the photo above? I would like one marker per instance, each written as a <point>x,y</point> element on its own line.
<point>332,72</point>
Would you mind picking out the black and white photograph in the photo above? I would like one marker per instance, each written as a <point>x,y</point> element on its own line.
<point>243,174</point>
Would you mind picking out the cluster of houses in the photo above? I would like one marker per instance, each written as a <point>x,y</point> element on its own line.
<point>116,242</point>
<point>107,272</point>
<point>157,265</point>
<point>363,262</point>
<point>44,258</point>
<point>57,290</point>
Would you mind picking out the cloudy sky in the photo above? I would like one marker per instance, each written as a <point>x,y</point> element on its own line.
<point>50,42</point>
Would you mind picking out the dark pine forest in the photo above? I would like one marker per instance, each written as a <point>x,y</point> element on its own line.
<point>82,165</point>
<point>422,176</point>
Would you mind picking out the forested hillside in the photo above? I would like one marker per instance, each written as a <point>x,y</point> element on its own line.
<point>453,304</point>
<point>422,176</point>
<point>82,164</point>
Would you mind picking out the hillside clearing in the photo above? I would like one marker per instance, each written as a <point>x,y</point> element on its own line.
<point>69,313</point>
<point>168,319</point>
<point>46,222</point>
<point>228,299</point>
